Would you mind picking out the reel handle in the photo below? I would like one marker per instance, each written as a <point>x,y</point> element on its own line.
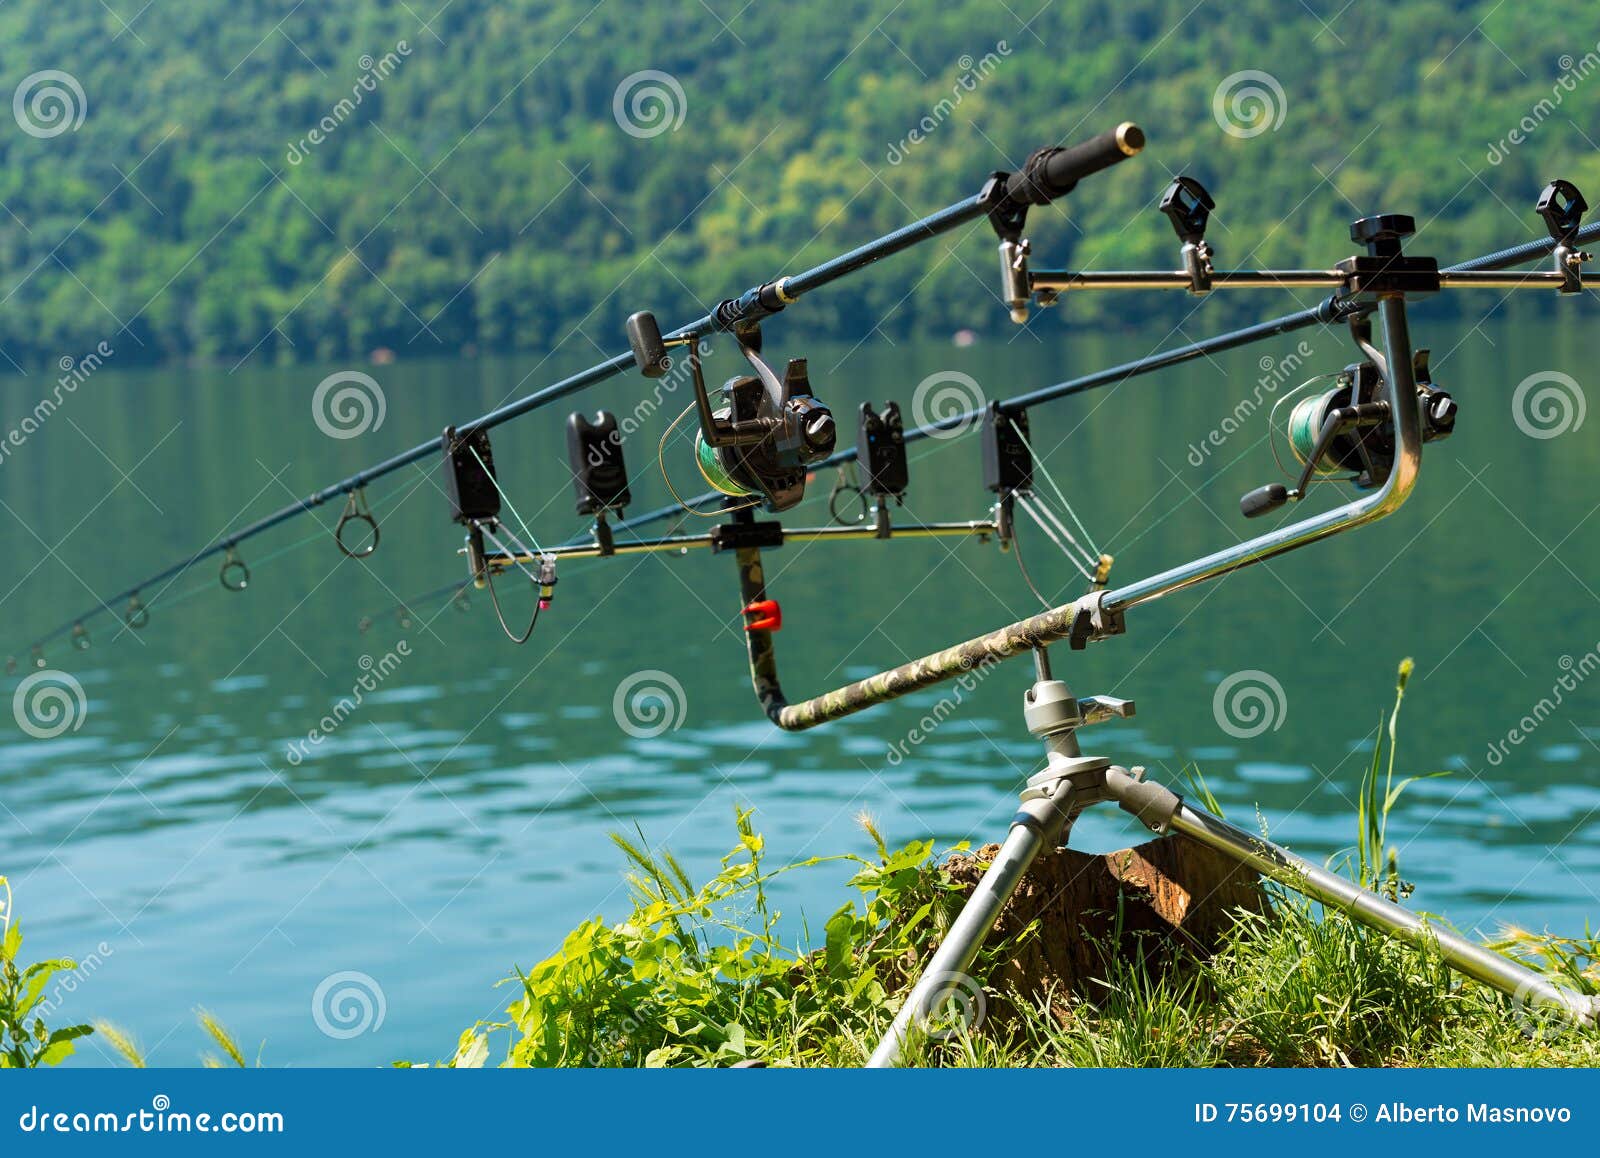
<point>1263,499</point>
<point>648,346</point>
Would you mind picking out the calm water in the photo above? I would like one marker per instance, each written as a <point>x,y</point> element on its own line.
<point>457,824</point>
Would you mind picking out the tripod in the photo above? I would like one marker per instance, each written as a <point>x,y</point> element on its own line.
<point>1072,781</point>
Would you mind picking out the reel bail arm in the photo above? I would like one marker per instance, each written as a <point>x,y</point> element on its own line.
<point>770,432</point>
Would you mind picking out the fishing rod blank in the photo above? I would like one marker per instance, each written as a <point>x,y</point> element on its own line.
<point>1048,174</point>
<point>1387,417</point>
<point>1331,311</point>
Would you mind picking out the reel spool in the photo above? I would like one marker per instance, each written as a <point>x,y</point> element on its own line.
<point>1364,452</point>
<point>768,433</point>
<point>1349,431</point>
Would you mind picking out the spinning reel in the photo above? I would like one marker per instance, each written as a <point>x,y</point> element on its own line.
<point>769,431</point>
<point>1349,429</point>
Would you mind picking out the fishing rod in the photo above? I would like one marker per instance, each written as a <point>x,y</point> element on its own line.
<point>1368,429</point>
<point>1333,310</point>
<point>1349,430</point>
<point>1334,431</point>
<point>1047,175</point>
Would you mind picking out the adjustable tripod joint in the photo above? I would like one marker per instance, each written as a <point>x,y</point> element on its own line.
<point>1050,709</point>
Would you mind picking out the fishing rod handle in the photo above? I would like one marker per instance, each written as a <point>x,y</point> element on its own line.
<point>1054,172</point>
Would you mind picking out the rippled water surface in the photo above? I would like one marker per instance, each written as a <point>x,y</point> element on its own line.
<point>456,824</point>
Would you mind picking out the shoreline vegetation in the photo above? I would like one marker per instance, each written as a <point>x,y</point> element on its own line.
<point>704,975</point>
<point>364,182</point>
<point>700,975</point>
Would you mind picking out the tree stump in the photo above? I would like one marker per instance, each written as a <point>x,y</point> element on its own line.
<point>1170,901</point>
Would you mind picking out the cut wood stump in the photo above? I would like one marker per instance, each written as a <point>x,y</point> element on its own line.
<point>1169,900</point>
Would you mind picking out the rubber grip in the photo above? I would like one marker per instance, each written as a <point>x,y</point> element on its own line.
<point>1054,172</point>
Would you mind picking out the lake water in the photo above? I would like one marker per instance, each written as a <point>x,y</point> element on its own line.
<point>456,825</point>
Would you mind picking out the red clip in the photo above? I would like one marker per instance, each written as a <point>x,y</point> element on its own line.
<point>769,613</point>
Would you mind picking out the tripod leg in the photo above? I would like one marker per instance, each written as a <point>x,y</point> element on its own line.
<point>948,967</point>
<point>1164,811</point>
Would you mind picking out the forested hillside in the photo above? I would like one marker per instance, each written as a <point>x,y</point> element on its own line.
<point>267,179</point>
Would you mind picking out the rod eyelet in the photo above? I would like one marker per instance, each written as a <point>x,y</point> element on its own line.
<point>356,511</point>
<point>234,576</point>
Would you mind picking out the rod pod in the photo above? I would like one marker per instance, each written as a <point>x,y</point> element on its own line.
<point>1072,781</point>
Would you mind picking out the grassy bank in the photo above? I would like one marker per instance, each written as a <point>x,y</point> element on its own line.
<point>704,974</point>
<point>699,974</point>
